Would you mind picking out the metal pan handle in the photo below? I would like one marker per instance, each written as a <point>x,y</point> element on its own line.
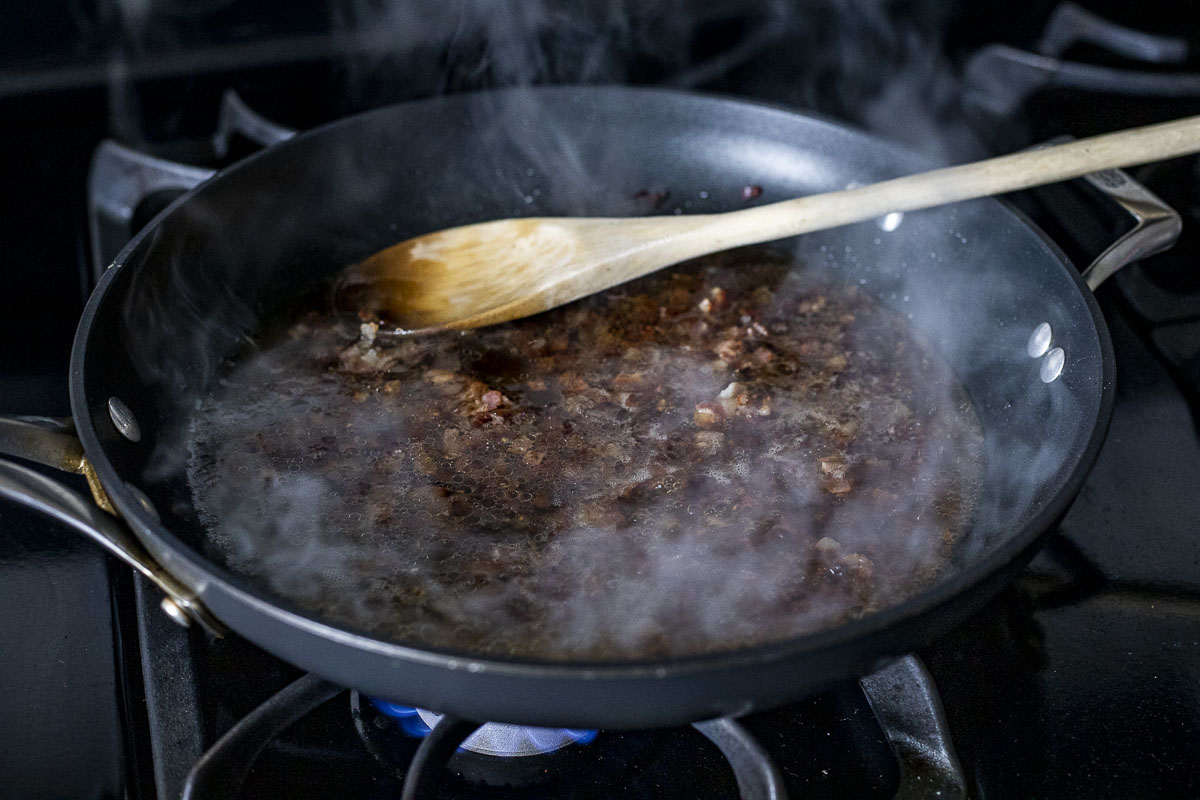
<point>1157,225</point>
<point>52,442</point>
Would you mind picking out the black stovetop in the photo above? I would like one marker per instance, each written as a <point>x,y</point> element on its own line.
<point>1081,680</point>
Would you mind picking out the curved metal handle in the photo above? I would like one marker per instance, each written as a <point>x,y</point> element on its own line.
<point>52,442</point>
<point>1157,225</point>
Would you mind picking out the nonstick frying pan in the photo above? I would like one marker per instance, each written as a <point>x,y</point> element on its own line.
<point>977,279</point>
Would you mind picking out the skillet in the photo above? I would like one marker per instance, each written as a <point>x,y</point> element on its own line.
<point>222,259</point>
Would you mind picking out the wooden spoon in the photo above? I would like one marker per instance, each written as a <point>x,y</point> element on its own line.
<point>497,271</point>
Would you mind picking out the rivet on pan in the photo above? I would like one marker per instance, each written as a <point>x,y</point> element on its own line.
<point>143,501</point>
<point>1052,365</point>
<point>1039,341</point>
<point>175,612</point>
<point>124,420</point>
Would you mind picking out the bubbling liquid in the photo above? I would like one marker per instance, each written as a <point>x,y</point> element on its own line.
<point>727,454</point>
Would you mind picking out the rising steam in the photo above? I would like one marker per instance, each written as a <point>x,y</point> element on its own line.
<point>286,524</point>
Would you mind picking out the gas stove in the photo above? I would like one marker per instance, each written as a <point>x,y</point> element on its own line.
<point>1078,681</point>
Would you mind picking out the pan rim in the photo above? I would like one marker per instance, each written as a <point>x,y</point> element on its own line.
<point>924,603</point>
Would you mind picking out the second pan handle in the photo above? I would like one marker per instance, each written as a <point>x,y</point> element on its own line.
<point>1157,225</point>
<point>52,442</point>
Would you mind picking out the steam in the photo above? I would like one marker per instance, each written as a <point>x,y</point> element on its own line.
<point>381,506</point>
<point>286,522</point>
<point>876,64</point>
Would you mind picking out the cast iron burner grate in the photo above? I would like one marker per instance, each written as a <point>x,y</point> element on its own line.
<point>902,695</point>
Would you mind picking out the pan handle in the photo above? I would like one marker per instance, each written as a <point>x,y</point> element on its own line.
<point>52,442</point>
<point>1156,225</point>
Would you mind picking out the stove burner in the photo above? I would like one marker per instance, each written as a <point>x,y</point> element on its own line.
<point>493,739</point>
<point>492,755</point>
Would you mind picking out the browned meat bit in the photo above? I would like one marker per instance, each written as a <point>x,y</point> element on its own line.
<point>825,553</point>
<point>837,486</point>
<point>729,349</point>
<point>628,381</point>
<point>363,357</point>
<point>851,573</point>
<point>367,332</point>
<point>578,405</point>
<point>833,466</point>
<point>762,356</point>
<point>479,401</point>
<point>733,398</point>
<point>833,470</point>
<point>708,414</point>
<point>572,382</point>
<point>813,305</point>
<point>718,298</point>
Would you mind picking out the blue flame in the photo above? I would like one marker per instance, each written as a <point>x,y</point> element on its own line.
<point>583,736</point>
<point>406,716</point>
<point>542,739</point>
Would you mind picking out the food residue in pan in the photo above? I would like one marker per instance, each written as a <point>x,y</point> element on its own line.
<point>729,453</point>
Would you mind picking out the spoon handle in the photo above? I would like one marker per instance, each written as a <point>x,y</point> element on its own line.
<point>985,178</point>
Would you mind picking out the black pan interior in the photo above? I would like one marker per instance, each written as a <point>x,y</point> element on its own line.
<point>975,278</point>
